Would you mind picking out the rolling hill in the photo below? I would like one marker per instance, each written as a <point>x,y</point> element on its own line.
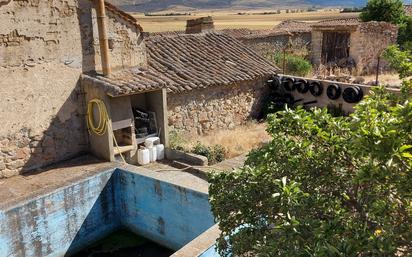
<point>159,5</point>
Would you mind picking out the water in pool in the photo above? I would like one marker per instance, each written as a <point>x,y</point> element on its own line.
<point>123,243</point>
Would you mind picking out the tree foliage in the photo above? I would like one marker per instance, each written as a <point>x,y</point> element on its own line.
<point>405,33</point>
<point>324,186</point>
<point>384,10</point>
<point>390,11</point>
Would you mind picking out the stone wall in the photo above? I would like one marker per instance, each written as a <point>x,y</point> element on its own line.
<point>221,107</point>
<point>316,47</point>
<point>270,44</point>
<point>368,42</point>
<point>44,47</point>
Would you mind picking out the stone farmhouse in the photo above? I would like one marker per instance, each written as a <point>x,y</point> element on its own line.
<point>50,65</point>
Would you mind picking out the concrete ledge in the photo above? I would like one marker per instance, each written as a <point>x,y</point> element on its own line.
<point>200,244</point>
<point>189,158</point>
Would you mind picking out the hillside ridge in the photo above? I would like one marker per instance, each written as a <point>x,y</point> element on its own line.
<point>160,5</point>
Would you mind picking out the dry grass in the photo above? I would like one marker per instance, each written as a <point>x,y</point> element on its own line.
<point>236,141</point>
<point>389,79</point>
<point>229,19</point>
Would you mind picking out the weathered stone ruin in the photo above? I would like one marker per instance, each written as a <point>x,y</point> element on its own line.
<point>347,43</point>
<point>351,43</point>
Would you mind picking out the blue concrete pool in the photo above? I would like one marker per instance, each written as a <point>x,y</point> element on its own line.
<point>64,221</point>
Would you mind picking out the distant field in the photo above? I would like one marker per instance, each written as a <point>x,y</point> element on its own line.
<point>230,19</point>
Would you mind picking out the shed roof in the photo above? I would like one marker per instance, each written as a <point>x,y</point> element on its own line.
<point>337,23</point>
<point>127,82</point>
<point>190,61</point>
<point>183,62</point>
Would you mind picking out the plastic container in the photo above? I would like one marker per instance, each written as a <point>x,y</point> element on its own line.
<point>153,153</point>
<point>160,148</point>
<point>143,156</point>
<point>151,141</point>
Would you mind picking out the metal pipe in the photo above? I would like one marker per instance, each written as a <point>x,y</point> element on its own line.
<point>103,39</point>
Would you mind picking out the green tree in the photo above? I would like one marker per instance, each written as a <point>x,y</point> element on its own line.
<point>384,10</point>
<point>405,34</point>
<point>390,11</point>
<point>325,186</point>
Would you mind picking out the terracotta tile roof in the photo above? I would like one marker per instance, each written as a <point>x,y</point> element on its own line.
<point>243,33</point>
<point>166,33</point>
<point>284,28</point>
<point>125,82</point>
<point>190,61</point>
<point>338,22</point>
<point>293,26</point>
<point>408,10</point>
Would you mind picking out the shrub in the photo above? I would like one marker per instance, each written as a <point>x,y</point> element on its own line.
<point>294,65</point>
<point>214,154</point>
<point>219,153</point>
<point>176,141</point>
<point>405,34</point>
<point>384,10</point>
<point>325,186</point>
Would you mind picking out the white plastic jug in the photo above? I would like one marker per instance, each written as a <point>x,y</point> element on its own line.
<point>153,154</point>
<point>143,156</point>
<point>160,148</point>
<point>151,141</point>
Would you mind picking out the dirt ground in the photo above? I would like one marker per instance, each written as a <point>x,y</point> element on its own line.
<point>231,19</point>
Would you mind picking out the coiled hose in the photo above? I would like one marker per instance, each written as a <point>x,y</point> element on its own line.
<point>104,121</point>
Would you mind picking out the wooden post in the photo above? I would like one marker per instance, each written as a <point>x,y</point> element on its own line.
<point>284,60</point>
<point>377,71</point>
<point>104,42</point>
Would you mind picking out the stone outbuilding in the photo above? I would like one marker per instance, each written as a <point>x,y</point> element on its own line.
<point>213,80</point>
<point>351,43</point>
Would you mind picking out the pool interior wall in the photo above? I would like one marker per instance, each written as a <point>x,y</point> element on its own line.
<point>67,220</point>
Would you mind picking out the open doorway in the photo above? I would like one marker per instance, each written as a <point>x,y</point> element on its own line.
<point>335,46</point>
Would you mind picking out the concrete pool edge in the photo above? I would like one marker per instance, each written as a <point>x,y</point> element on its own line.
<point>201,245</point>
<point>26,213</point>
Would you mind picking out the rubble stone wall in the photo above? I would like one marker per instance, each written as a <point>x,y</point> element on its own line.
<point>222,107</point>
<point>270,44</point>
<point>368,42</point>
<point>44,47</point>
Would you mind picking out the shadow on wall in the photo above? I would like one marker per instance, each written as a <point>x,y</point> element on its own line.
<point>66,137</point>
<point>102,219</point>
